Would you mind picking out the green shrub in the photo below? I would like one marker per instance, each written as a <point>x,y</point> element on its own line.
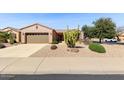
<point>71,37</point>
<point>55,41</point>
<point>11,38</point>
<point>3,37</point>
<point>97,48</point>
<point>2,40</point>
<point>2,45</point>
<point>53,47</point>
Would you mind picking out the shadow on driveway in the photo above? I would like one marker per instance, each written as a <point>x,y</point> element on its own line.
<point>63,77</point>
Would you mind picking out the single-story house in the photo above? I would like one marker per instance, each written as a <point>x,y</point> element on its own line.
<point>121,36</point>
<point>15,32</point>
<point>35,33</point>
<point>120,31</point>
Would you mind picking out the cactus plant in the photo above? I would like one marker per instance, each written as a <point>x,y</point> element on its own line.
<point>71,37</point>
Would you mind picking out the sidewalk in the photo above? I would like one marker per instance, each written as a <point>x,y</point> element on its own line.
<point>62,65</point>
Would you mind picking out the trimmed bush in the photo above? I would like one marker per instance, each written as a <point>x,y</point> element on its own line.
<point>2,45</point>
<point>55,42</point>
<point>53,47</point>
<point>97,48</point>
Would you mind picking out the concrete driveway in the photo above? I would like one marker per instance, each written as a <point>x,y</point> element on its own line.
<point>22,50</point>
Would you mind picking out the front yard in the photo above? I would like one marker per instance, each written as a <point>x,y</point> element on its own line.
<point>111,51</point>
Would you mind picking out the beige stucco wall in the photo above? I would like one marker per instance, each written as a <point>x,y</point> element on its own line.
<point>17,35</point>
<point>121,38</point>
<point>36,29</point>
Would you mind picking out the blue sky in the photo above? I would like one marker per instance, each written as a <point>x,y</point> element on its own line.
<point>56,20</point>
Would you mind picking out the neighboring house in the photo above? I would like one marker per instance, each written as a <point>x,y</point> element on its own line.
<point>121,36</point>
<point>35,33</point>
<point>121,33</point>
<point>15,32</point>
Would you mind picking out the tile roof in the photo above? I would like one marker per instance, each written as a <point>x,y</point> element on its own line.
<point>36,24</point>
<point>60,30</point>
<point>12,29</point>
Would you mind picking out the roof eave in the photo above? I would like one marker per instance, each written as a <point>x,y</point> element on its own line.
<point>36,24</point>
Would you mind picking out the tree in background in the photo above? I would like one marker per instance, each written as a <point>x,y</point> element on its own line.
<point>105,28</point>
<point>89,32</point>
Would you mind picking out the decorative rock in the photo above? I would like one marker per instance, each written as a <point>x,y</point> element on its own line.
<point>53,47</point>
<point>75,50</point>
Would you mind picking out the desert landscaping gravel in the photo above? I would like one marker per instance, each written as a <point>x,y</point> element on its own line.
<point>113,50</point>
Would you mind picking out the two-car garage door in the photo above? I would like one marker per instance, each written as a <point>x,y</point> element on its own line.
<point>37,38</point>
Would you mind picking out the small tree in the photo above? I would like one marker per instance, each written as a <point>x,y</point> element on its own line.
<point>71,37</point>
<point>3,37</point>
<point>105,28</point>
<point>89,32</point>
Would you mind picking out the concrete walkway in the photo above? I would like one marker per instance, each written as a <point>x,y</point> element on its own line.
<point>22,50</point>
<point>61,65</point>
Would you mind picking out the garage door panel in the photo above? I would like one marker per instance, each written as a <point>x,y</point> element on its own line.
<point>37,38</point>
